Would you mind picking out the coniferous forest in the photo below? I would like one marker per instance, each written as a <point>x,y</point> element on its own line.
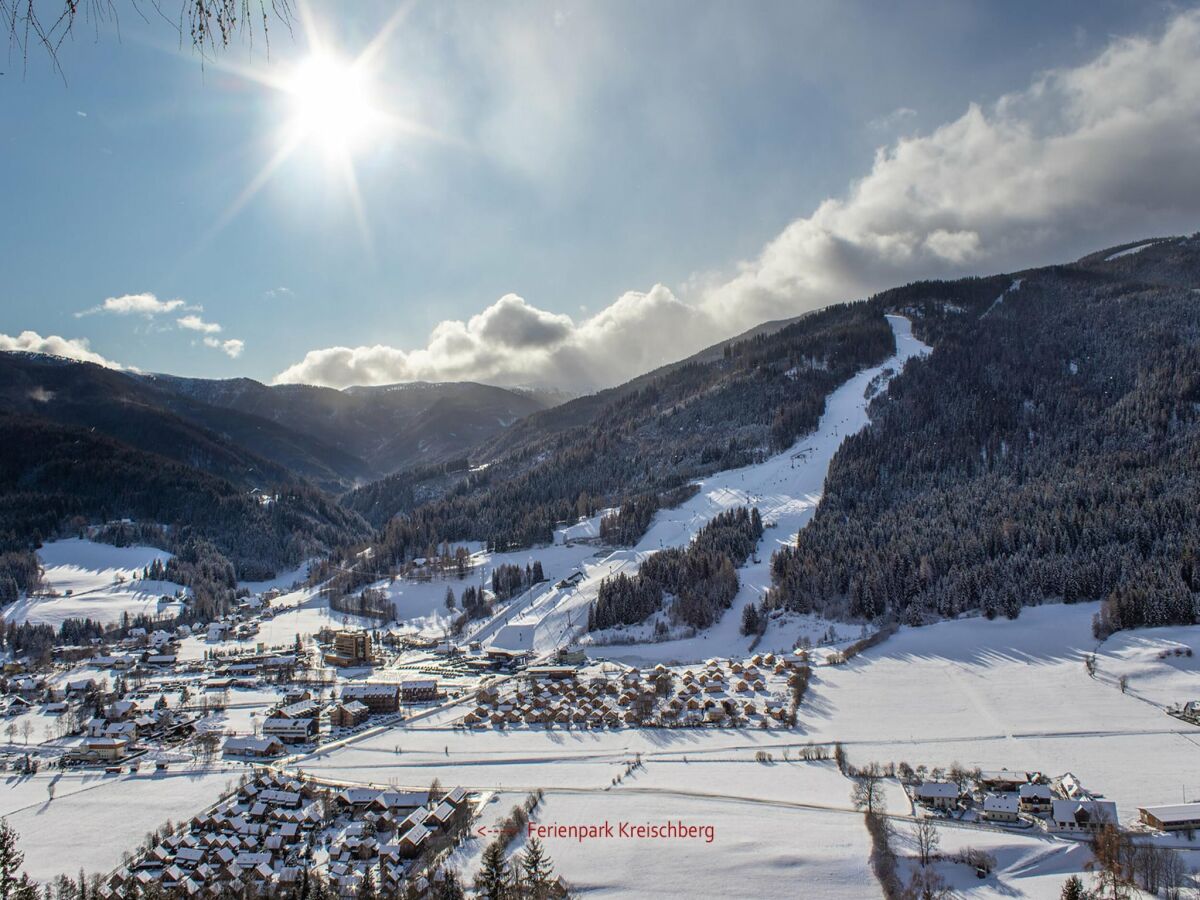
<point>1046,450</point>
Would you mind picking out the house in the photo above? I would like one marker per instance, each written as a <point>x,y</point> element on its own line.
<point>1083,815</point>
<point>1003,781</point>
<point>216,632</point>
<point>413,841</point>
<point>1176,817</point>
<point>1035,798</point>
<point>378,697</point>
<point>419,691</point>
<point>289,730</point>
<point>120,710</point>
<point>348,715</point>
<point>253,747</point>
<point>1001,808</point>
<point>938,794</point>
<point>107,748</point>
<point>74,688</point>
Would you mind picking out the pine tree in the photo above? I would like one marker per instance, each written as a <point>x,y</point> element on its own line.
<point>1072,889</point>
<point>537,868</point>
<point>491,882</point>
<point>14,884</point>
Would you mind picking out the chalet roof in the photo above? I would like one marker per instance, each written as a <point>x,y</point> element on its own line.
<point>1006,803</point>
<point>1070,812</point>
<point>1174,813</point>
<point>932,789</point>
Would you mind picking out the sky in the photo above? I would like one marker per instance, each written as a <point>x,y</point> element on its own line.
<point>566,194</point>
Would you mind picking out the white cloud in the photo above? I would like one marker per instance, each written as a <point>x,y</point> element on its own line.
<point>1082,158</point>
<point>232,348</point>
<point>144,304</point>
<point>893,119</point>
<point>195,323</point>
<point>54,345</point>
<point>280,292</point>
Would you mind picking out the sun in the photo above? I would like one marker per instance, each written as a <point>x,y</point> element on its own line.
<point>331,104</point>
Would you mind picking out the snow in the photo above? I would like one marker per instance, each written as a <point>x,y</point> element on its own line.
<point>1128,251</point>
<point>1027,865</point>
<point>786,489</point>
<point>104,582</point>
<point>1015,286</point>
<point>95,817</point>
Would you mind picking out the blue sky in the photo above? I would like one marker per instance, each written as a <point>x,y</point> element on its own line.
<point>577,156</point>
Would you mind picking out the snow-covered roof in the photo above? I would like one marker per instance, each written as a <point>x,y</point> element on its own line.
<point>1174,813</point>
<point>1069,811</point>
<point>933,789</point>
<point>1000,803</point>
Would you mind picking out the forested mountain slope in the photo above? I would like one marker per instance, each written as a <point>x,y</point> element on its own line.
<point>54,479</point>
<point>383,429</point>
<point>1048,448</point>
<point>754,398</point>
<point>246,449</point>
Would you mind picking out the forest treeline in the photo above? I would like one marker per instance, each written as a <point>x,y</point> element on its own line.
<point>1047,450</point>
<point>702,576</point>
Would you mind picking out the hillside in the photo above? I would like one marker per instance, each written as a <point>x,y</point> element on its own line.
<point>249,450</point>
<point>55,479</point>
<point>381,429</point>
<point>1046,450</point>
<point>639,450</point>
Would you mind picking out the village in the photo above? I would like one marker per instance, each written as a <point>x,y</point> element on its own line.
<point>279,717</point>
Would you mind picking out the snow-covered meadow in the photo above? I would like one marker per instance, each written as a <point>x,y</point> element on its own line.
<point>87,580</point>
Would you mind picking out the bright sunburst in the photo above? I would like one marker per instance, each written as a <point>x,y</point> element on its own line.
<point>331,104</point>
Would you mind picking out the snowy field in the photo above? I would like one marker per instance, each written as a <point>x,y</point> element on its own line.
<point>94,581</point>
<point>759,849</point>
<point>1001,694</point>
<point>94,818</point>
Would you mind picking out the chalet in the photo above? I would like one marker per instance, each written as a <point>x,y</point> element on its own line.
<point>1083,815</point>
<point>1002,782</point>
<point>413,841</point>
<point>419,691</point>
<point>1001,808</point>
<point>358,798</point>
<point>348,715</point>
<point>938,794</point>
<point>1035,798</point>
<point>74,688</point>
<point>120,710</point>
<point>1176,817</point>
<point>378,697</point>
<point>259,748</point>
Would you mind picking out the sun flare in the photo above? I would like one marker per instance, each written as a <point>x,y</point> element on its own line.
<point>331,104</point>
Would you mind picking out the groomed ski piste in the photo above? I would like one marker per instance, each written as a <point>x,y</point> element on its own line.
<point>786,489</point>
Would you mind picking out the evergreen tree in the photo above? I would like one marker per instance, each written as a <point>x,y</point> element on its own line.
<point>537,869</point>
<point>492,879</point>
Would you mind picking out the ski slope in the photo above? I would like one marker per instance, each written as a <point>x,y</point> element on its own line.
<point>786,489</point>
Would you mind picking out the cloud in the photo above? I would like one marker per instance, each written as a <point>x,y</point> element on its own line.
<point>280,292</point>
<point>195,323</point>
<point>144,304</point>
<point>892,120</point>
<point>1083,157</point>
<point>232,348</point>
<point>54,345</point>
